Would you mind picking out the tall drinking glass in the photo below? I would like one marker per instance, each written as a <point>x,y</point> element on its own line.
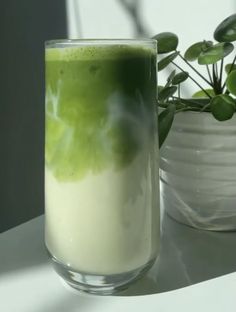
<point>101,169</point>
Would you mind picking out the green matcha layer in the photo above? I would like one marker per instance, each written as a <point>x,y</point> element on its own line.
<point>99,107</point>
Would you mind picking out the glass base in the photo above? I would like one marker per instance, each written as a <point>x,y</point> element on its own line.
<point>98,284</point>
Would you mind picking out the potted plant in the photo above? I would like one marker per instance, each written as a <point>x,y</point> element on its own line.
<point>198,157</point>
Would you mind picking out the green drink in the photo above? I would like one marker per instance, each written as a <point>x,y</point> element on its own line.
<point>100,154</point>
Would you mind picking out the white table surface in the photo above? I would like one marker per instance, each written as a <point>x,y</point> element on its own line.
<point>193,273</point>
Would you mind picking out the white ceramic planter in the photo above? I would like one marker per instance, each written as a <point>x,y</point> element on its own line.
<point>198,171</point>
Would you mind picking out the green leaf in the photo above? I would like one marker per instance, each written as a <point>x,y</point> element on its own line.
<point>206,45</point>
<point>193,51</point>
<point>180,77</point>
<point>222,107</point>
<point>170,77</point>
<point>166,92</point>
<point>231,82</point>
<point>215,53</point>
<point>166,42</point>
<point>226,31</point>
<point>165,120</point>
<point>229,68</point>
<point>166,61</point>
<point>202,94</point>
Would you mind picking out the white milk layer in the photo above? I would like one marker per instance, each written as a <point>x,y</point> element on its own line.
<point>106,223</point>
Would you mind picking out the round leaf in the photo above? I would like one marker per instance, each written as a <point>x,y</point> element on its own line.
<point>215,53</point>
<point>229,68</point>
<point>166,42</point>
<point>202,94</point>
<point>206,45</point>
<point>180,77</point>
<point>167,92</point>
<point>165,120</point>
<point>231,82</point>
<point>226,31</point>
<point>166,61</point>
<point>193,51</point>
<point>222,107</point>
<point>170,77</point>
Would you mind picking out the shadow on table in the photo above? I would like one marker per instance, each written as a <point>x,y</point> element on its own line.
<point>20,249</point>
<point>188,256</point>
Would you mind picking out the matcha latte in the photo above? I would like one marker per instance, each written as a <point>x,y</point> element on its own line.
<point>101,194</point>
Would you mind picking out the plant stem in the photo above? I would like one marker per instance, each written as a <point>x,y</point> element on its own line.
<point>216,70</point>
<point>214,78</point>
<point>231,67</point>
<point>209,74</point>
<point>194,69</point>
<point>216,82</point>
<point>186,109</point>
<point>193,80</point>
<point>181,109</point>
<point>221,74</point>
<point>205,107</point>
<point>214,74</point>
<point>179,91</point>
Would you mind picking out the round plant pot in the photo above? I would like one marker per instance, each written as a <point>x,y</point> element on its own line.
<point>198,171</point>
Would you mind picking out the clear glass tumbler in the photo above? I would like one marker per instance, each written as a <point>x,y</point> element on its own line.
<point>101,167</point>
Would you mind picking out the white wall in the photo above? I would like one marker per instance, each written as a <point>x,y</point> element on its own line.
<point>98,19</point>
<point>108,18</point>
<point>191,20</point>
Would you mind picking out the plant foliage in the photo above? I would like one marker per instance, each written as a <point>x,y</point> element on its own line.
<point>220,96</point>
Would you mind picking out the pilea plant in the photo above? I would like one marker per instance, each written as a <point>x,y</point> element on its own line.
<point>219,98</point>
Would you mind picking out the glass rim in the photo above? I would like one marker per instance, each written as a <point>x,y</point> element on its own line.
<point>113,41</point>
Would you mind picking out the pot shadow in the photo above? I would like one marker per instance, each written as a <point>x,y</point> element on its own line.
<point>188,256</point>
